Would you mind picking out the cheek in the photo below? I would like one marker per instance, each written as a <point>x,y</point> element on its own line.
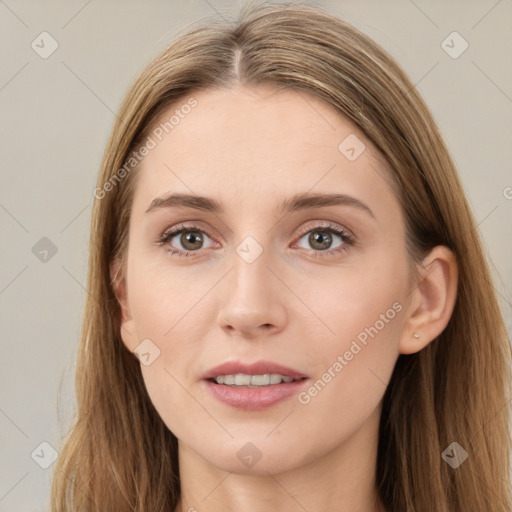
<point>350,370</point>
<point>163,295</point>
<point>364,304</point>
<point>362,316</point>
<point>355,359</point>
<point>166,305</point>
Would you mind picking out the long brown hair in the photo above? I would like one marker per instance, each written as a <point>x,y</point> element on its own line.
<point>119,455</point>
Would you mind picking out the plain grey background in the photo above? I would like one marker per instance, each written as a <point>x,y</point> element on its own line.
<point>56,114</point>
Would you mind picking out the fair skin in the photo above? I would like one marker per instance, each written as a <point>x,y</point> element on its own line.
<point>250,149</point>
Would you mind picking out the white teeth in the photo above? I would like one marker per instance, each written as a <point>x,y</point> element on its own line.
<point>241,379</point>
<point>274,378</point>
<point>229,380</point>
<point>260,380</point>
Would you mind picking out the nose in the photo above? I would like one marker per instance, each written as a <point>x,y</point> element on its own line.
<point>252,299</point>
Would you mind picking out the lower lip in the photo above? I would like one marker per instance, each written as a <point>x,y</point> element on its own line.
<point>254,399</point>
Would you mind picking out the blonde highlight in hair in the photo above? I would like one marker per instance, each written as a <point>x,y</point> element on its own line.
<point>119,455</point>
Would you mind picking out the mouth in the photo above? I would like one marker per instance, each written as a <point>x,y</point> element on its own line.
<point>252,381</point>
<point>253,386</point>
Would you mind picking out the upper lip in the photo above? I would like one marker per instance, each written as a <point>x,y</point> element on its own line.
<point>256,368</point>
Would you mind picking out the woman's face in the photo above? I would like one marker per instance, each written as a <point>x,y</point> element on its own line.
<point>272,284</point>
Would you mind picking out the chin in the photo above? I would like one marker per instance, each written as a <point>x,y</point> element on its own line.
<point>255,455</point>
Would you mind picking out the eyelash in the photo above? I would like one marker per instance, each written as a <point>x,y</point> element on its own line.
<point>348,240</point>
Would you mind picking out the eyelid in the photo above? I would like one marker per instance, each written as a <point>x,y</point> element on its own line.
<point>345,234</point>
<point>177,229</point>
<point>310,225</point>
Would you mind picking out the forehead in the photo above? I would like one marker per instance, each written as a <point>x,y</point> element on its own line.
<point>248,145</point>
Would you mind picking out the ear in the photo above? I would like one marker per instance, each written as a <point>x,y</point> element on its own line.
<point>432,300</point>
<point>127,325</point>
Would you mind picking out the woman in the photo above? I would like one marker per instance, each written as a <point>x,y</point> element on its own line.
<point>289,306</point>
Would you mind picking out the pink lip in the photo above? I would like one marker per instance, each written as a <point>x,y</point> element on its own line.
<point>253,399</point>
<point>257,368</point>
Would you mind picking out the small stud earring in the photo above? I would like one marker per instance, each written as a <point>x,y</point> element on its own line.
<point>416,335</point>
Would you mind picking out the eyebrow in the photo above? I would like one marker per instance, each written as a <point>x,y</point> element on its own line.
<point>296,202</point>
